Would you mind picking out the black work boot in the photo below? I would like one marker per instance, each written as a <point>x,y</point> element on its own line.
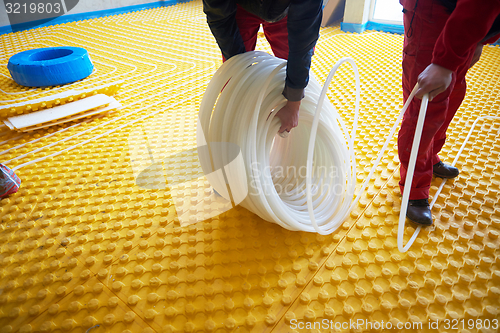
<point>419,212</point>
<point>444,170</point>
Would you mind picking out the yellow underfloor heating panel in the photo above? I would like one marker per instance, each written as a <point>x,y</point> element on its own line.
<point>94,240</point>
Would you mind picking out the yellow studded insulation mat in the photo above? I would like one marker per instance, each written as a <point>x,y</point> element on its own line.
<point>93,238</point>
<point>52,97</point>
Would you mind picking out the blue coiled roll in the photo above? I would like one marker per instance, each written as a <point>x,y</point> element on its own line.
<point>50,66</point>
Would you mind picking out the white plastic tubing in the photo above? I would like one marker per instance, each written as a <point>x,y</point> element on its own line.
<point>288,182</point>
<point>411,164</point>
<point>239,108</point>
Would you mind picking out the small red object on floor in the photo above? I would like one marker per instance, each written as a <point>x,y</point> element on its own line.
<point>9,182</point>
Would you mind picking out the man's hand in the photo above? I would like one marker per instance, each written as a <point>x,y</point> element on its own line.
<point>433,80</point>
<point>477,54</point>
<point>289,116</point>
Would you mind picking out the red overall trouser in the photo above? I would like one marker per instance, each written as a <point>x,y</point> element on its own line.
<point>276,33</point>
<point>417,55</point>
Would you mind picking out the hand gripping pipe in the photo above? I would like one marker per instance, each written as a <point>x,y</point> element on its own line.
<point>238,110</point>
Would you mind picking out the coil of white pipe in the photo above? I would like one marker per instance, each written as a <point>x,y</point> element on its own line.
<point>274,170</point>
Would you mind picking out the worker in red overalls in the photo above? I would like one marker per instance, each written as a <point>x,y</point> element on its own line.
<point>443,39</point>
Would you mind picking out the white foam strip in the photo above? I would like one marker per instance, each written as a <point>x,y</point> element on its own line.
<point>113,105</point>
<point>58,112</point>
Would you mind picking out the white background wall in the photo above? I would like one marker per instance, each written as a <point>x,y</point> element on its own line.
<point>388,10</point>
<point>83,6</point>
<point>358,11</point>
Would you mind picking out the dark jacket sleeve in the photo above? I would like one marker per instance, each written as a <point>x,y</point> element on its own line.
<point>221,18</point>
<point>494,33</point>
<point>304,21</point>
